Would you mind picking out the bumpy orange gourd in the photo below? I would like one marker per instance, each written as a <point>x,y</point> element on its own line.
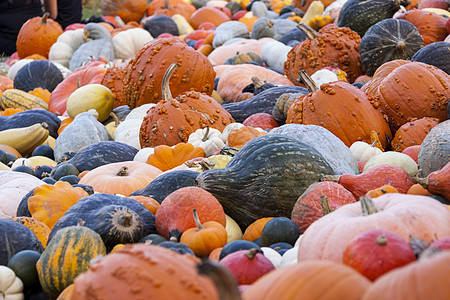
<point>139,271</point>
<point>37,36</point>
<point>113,80</point>
<point>412,133</point>
<point>172,120</point>
<point>120,178</point>
<point>166,158</point>
<point>49,202</point>
<point>10,111</point>
<point>41,93</point>
<point>330,46</point>
<point>143,75</point>
<point>127,10</point>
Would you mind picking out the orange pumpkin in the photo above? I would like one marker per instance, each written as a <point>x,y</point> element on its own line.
<point>64,124</point>
<point>49,202</point>
<point>37,36</point>
<point>113,80</point>
<point>166,158</point>
<point>5,83</point>
<point>41,93</point>
<point>412,133</point>
<point>170,8</point>
<point>127,10</point>
<point>418,189</point>
<point>431,26</point>
<point>40,230</point>
<point>208,14</point>
<point>381,191</point>
<point>253,231</point>
<point>149,203</point>
<point>239,137</point>
<point>11,150</point>
<point>205,237</point>
<point>120,178</point>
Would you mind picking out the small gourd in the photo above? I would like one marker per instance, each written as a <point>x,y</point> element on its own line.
<point>209,139</point>
<point>363,151</point>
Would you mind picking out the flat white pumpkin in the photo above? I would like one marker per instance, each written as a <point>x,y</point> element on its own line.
<point>11,287</point>
<point>363,151</point>
<point>66,44</point>
<point>209,139</point>
<point>127,43</point>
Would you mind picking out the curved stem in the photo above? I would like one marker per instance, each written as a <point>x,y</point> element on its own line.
<point>308,81</point>
<point>251,254</point>
<point>422,181</point>
<point>123,171</point>
<point>197,220</point>
<point>310,33</point>
<point>115,118</point>
<point>205,137</point>
<point>367,206</point>
<point>166,4</point>
<point>78,82</point>
<point>44,18</point>
<point>166,94</point>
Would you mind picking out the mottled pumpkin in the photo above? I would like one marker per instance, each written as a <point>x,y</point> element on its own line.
<point>142,80</point>
<point>40,230</point>
<point>330,46</point>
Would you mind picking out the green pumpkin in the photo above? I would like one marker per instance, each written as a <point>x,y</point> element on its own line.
<point>279,230</point>
<point>23,263</point>
<point>67,255</point>
<point>265,178</point>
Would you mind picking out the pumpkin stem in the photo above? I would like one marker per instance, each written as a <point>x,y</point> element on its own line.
<point>44,18</point>
<point>123,171</point>
<point>257,83</point>
<point>422,181</point>
<point>400,45</point>
<point>78,82</point>
<point>197,220</point>
<point>166,4</point>
<point>333,178</point>
<point>326,208</point>
<point>310,33</point>
<point>418,246</point>
<point>270,23</point>
<point>308,81</point>
<point>224,281</point>
<point>120,23</point>
<point>125,219</point>
<point>367,205</point>
<point>205,137</point>
<point>166,94</point>
<point>251,254</point>
<point>374,143</point>
<point>115,118</point>
<point>381,240</point>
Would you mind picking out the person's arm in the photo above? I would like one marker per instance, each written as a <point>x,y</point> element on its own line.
<point>51,6</point>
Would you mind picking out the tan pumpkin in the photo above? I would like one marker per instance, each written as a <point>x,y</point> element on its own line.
<point>120,178</point>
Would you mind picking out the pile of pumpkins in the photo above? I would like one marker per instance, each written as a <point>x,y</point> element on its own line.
<point>228,150</point>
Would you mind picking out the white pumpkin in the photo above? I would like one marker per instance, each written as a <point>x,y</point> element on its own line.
<point>143,154</point>
<point>22,162</point>
<point>289,257</point>
<point>127,43</point>
<point>11,287</point>
<point>66,44</point>
<point>209,139</point>
<point>17,66</point>
<point>393,158</point>
<point>127,131</point>
<point>272,255</point>
<point>233,230</point>
<point>229,128</point>
<point>274,54</point>
<point>363,151</point>
<point>324,76</point>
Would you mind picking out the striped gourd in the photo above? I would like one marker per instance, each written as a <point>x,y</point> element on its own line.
<point>14,98</point>
<point>68,254</point>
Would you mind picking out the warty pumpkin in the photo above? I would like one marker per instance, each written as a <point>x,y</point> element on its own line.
<point>120,178</point>
<point>172,120</point>
<point>405,215</point>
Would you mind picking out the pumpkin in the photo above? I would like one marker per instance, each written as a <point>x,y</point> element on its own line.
<point>431,26</point>
<point>261,120</point>
<point>12,286</point>
<point>15,238</point>
<point>149,203</point>
<point>382,190</point>
<point>412,133</point>
<point>280,231</point>
<point>220,54</point>
<point>10,111</point>
<point>121,177</point>
<point>437,182</point>
<point>424,275</point>
<point>60,95</point>
<point>209,139</point>
<point>117,219</point>
<point>341,46</point>
<point>388,40</point>
<point>272,28</point>
<point>376,252</point>
<point>245,58</point>
<point>239,137</point>
<point>205,237</point>
<point>170,8</point>
<point>91,96</point>
<point>193,110</point>
<point>171,220</point>
<point>67,43</point>
<point>319,199</point>
<point>208,14</point>
<point>31,76</point>
<point>165,158</point>
<point>141,264</point>
<point>316,109</point>
<point>245,191</point>
<point>40,230</point>
<point>253,231</point>
<point>67,255</point>
<point>393,158</point>
<point>128,43</point>
<point>434,150</point>
<point>195,72</point>
<point>49,202</point>
<point>23,263</point>
<point>392,212</point>
<point>43,29</point>
<point>112,79</point>
<point>44,94</point>
<point>342,282</point>
<point>411,80</point>
<point>435,54</point>
<point>127,10</point>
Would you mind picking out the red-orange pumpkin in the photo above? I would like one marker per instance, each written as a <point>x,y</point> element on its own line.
<point>170,8</point>
<point>412,133</point>
<point>127,10</point>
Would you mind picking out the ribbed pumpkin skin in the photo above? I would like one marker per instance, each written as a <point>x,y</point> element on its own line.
<point>67,255</point>
<point>337,282</point>
<point>143,75</point>
<point>359,15</point>
<point>434,151</point>
<point>332,45</point>
<point>436,54</point>
<point>414,90</point>
<point>38,73</point>
<point>144,272</point>
<point>388,40</point>
<point>265,178</point>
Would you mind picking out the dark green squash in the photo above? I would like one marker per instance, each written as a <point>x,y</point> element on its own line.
<point>14,238</point>
<point>31,117</point>
<point>236,246</point>
<point>388,40</point>
<point>245,58</point>
<point>177,247</point>
<point>265,178</point>
<point>118,220</point>
<point>153,239</point>
<point>279,230</point>
<point>159,24</point>
<point>263,102</point>
<point>99,154</point>
<point>64,170</point>
<point>38,73</point>
<point>360,15</point>
<point>67,255</point>
<point>23,263</point>
<point>167,183</point>
<point>435,54</point>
